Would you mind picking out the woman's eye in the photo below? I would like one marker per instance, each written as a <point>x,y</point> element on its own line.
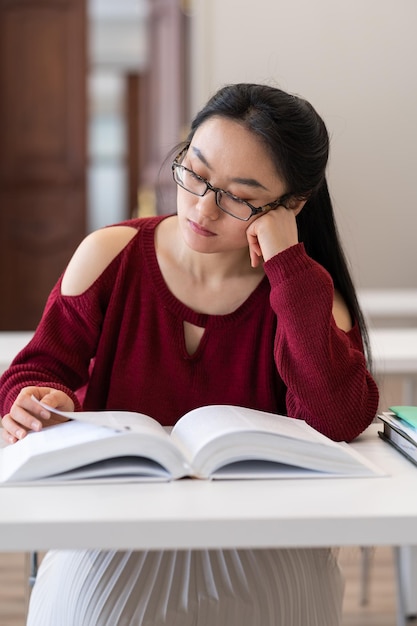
<point>189,174</point>
<point>231,196</point>
<point>192,174</point>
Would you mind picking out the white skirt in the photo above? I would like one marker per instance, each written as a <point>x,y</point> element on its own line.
<point>297,587</point>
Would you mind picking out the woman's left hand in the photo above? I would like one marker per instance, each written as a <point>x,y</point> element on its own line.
<point>272,233</point>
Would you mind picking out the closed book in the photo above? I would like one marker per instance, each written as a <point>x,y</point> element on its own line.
<point>399,435</point>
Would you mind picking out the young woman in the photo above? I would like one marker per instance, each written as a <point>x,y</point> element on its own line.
<point>241,297</point>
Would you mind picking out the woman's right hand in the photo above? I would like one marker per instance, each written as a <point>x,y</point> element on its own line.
<point>26,414</point>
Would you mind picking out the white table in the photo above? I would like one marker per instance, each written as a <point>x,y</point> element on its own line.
<point>11,342</point>
<point>202,514</point>
<point>196,514</point>
<point>159,516</point>
<point>394,352</point>
<point>394,348</point>
<point>389,303</point>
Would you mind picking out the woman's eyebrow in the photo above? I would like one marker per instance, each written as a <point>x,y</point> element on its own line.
<point>250,182</point>
<point>200,156</point>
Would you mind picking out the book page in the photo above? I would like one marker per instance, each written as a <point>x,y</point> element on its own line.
<point>201,426</point>
<point>249,470</point>
<point>122,469</point>
<point>72,444</point>
<point>81,442</point>
<point>57,438</point>
<point>215,436</point>
<point>116,420</point>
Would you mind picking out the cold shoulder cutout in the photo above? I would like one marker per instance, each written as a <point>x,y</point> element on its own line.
<point>341,313</point>
<point>92,257</point>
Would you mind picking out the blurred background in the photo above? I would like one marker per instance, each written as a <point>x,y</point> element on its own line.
<point>95,93</point>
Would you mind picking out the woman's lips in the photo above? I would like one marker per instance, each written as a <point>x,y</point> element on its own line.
<point>200,230</point>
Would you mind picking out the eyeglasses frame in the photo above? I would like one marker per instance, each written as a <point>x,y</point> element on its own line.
<point>216,190</point>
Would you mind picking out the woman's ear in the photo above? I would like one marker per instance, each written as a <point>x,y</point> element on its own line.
<point>295,204</point>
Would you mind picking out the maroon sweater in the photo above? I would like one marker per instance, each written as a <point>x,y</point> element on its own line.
<point>122,340</point>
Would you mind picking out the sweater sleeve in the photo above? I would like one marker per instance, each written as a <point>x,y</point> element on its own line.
<point>61,349</point>
<point>65,342</point>
<point>323,367</point>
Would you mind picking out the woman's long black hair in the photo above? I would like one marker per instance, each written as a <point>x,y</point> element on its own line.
<point>298,142</point>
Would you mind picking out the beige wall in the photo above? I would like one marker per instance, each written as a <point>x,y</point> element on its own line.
<point>356,62</point>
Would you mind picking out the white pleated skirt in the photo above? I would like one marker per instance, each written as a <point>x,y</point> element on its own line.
<point>297,587</point>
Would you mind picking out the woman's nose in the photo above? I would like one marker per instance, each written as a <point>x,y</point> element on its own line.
<point>207,206</point>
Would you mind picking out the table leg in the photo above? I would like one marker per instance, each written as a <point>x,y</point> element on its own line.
<point>406,556</point>
<point>400,577</point>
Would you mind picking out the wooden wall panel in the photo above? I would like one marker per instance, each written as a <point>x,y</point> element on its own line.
<point>34,248</point>
<point>42,150</point>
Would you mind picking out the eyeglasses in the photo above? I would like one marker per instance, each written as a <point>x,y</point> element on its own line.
<point>227,202</point>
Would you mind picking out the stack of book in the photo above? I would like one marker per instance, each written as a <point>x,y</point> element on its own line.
<point>400,430</point>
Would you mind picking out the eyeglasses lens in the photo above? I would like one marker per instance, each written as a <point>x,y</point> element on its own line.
<point>224,201</point>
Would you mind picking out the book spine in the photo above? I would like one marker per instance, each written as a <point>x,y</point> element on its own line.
<point>401,443</point>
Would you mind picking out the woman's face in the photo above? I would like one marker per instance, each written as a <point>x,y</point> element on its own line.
<point>231,158</point>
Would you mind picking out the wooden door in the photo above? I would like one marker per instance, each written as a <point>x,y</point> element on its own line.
<point>42,150</point>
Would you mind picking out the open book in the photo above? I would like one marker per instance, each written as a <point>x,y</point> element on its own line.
<point>208,442</point>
